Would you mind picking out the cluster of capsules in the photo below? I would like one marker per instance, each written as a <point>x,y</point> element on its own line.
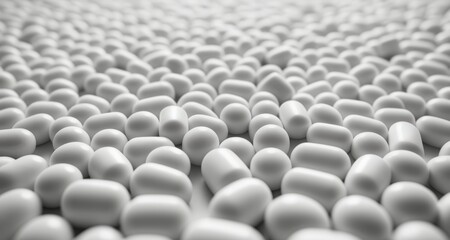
<point>304,119</point>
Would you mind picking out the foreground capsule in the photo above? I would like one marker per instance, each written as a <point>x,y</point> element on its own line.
<point>219,229</point>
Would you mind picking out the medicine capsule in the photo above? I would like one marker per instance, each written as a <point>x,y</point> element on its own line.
<point>322,113</point>
<point>439,168</point>
<point>241,147</point>
<point>155,214</point>
<point>100,233</point>
<point>221,167</point>
<point>54,109</point>
<point>51,227</point>
<point>407,166</point>
<point>137,149</point>
<point>243,200</point>
<point>270,165</point>
<point>289,213</point>
<point>434,131</point>
<point>21,203</point>
<point>319,233</point>
<point>416,230</point>
<point>70,134</point>
<point>153,104</point>
<point>9,117</point>
<point>197,142</point>
<point>172,157</point>
<point>295,119</point>
<point>219,229</point>
<point>112,120</point>
<point>271,136</point>
<point>405,136</point>
<point>330,134</point>
<point>173,124</point>
<point>93,202</point>
<point>237,117</point>
<point>74,153</point>
<point>369,143</point>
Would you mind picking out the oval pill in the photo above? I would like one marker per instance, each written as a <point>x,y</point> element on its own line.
<point>172,157</point>
<point>219,229</point>
<point>329,134</point>
<point>271,136</point>
<point>173,124</point>
<point>270,165</point>
<point>416,230</point>
<point>137,149</point>
<point>407,166</point>
<point>39,125</point>
<point>108,163</point>
<point>405,136</point>
<point>295,119</point>
<point>434,131</point>
<point>318,233</point>
<point>241,146</point>
<point>100,233</point>
<point>77,154</point>
<point>51,227</point>
<point>21,173</point>
<point>197,142</point>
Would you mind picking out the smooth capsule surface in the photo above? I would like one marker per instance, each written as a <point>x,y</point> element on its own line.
<point>270,165</point>
<point>324,114</point>
<point>155,214</point>
<point>77,154</point>
<point>111,120</point>
<point>45,227</point>
<point>109,138</point>
<point>100,233</point>
<point>137,149</point>
<point>369,143</point>
<point>359,124</point>
<point>9,117</point>
<point>439,168</point>
<point>241,146</point>
<point>172,157</point>
<point>329,134</point>
<point>243,200</point>
<point>434,131</point>
<point>16,142</point>
<point>219,229</point>
<point>141,124</point>
<point>173,124</point>
<point>197,142</point>
<point>221,167</point>
<point>93,202</point>
<point>405,136</point>
<point>295,119</point>
<point>271,136</point>
<point>407,166</point>
<point>318,234</point>
<point>109,163</point>
<point>321,157</point>
<point>417,230</point>
<point>21,173</point>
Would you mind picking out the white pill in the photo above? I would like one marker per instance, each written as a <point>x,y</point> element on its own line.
<point>22,172</point>
<point>445,149</point>
<point>322,113</point>
<point>93,81</point>
<point>17,207</point>
<point>334,64</point>
<point>16,142</point>
<point>237,87</point>
<point>387,102</point>
<point>141,124</point>
<point>155,179</point>
<point>221,167</point>
<point>195,75</point>
<point>434,131</point>
<point>295,119</point>
<point>124,103</point>
<point>147,237</point>
<point>346,89</point>
<point>443,220</point>
<point>52,181</point>
<point>39,125</point>
<point>80,74</point>
<point>223,100</point>
<point>51,227</point>
<point>323,187</point>
<point>219,229</point>
<point>417,230</point>
<point>25,85</point>
<point>348,107</point>
<point>35,95</point>
<point>413,103</point>
<point>93,202</point>
<point>241,147</point>
<point>109,90</point>
<point>319,233</point>
<point>237,117</point>
<point>13,102</point>
<point>278,86</point>
<point>153,104</point>
<point>133,82</point>
<point>439,168</point>
<point>370,93</point>
<point>82,111</point>
<point>206,88</point>
<point>218,75</point>
<point>316,88</point>
<point>100,233</point>
<point>407,166</point>
<point>54,109</point>
<point>138,148</point>
<point>6,160</point>
<point>180,83</point>
<point>208,51</point>
<point>432,67</point>
<point>108,163</point>
<point>365,73</point>
<point>407,201</point>
<point>244,200</point>
<point>66,97</point>
<point>111,120</point>
<point>74,153</point>
<point>330,134</point>
<point>362,217</point>
<point>439,81</point>
<point>270,165</point>
<point>109,138</point>
<point>215,124</point>
<point>321,157</point>
<point>173,124</point>
<point>271,135</point>
<point>279,56</point>
<point>70,134</point>
<point>369,143</point>
<point>197,96</point>
<point>154,89</point>
<point>261,96</point>
<point>155,214</point>
<point>291,212</point>
<point>422,89</point>
<point>405,136</point>
<point>359,124</point>
<point>157,74</point>
<point>439,107</point>
<point>265,106</point>
<point>172,157</point>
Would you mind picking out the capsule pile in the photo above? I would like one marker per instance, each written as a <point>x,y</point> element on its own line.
<point>300,120</point>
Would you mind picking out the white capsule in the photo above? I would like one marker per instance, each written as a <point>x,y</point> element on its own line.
<point>66,97</point>
<point>215,124</point>
<point>237,117</point>
<point>153,104</point>
<point>74,153</point>
<point>334,64</point>
<point>443,220</point>
<point>39,125</point>
<point>346,89</point>
<point>291,212</point>
<point>220,167</point>
<point>407,166</point>
<point>172,157</point>
<point>13,102</point>
<point>241,147</point>
<point>173,124</point>
<point>23,205</point>
<point>330,134</point>
<point>439,107</point>
<point>319,233</point>
<point>405,136</point>
<point>54,109</point>
<point>270,165</point>
<point>434,131</point>
<point>237,87</point>
<point>265,106</point>
<point>439,167</point>
<point>359,124</point>
<point>417,230</point>
<point>369,143</point>
<point>108,163</point>
<point>422,89</point>
<point>223,100</point>
<point>147,237</point>
<point>278,86</point>
<point>321,157</point>
<point>415,104</point>
<point>322,113</point>
<point>445,149</point>
<point>155,214</point>
<point>112,120</point>
<point>323,187</point>
<point>93,202</point>
<point>295,119</point>
<point>124,103</point>
<point>387,102</point>
<point>365,73</point>
<point>362,217</point>
<point>138,148</point>
<point>82,111</point>
<point>100,233</point>
<point>70,134</point>
<point>219,229</point>
<point>407,201</point>
<point>97,101</point>
<point>439,81</point>
<point>348,107</point>
<point>197,96</point>
<point>261,96</point>
<point>50,227</point>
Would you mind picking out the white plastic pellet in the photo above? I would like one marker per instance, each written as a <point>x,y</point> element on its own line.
<point>82,111</point>
<point>407,201</point>
<point>102,104</point>
<point>320,233</point>
<point>277,85</point>
<point>172,157</point>
<point>365,73</point>
<point>39,125</point>
<point>295,119</point>
<point>70,134</point>
<point>100,233</point>
<point>270,165</point>
<point>439,167</point>
<point>155,214</point>
<point>362,217</point>
<point>112,120</point>
<point>214,123</point>
<point>369,143</point>
<point>415,104</point>
<point>16,142</point>
<point>405,136</point>
<point>239,88</point>
<point>154,89</point>
<point>77,154</point>
<point>51,227</point>
<point>54,109</point>
<point>153,104</point>
<point>21,203</point>
<point>330,134</point>
<point>416,230</point>
<point>219,229</point>
<point>243,200</point>
<point>93,202</point>
<point>221,167</point>
<point>138,148</point>
<point>241,147</point>
<point>349,106</point>
<point>434,131</point>
<point>387,102</point>
<point>291,212</point>
<point>109,163</point>
<point>325,188</point>
<point>407,166</point>
<point>322,113</point>
<point>271,135</point>
<point>173,124</point>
